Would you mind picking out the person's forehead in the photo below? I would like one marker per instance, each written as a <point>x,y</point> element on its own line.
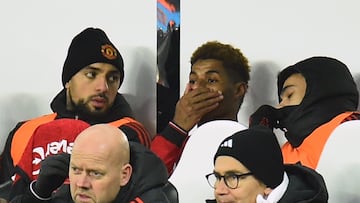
<point>228,163</point>
<point>91,162</point>
<point>101,66</point>
<point>296,79</point>
<point>88,156</point>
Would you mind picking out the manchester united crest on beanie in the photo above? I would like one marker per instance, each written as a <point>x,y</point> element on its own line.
<point>90,46</point>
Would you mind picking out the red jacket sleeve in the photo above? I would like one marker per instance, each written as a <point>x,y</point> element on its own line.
<point>169,144</point>
<point>136,132</point>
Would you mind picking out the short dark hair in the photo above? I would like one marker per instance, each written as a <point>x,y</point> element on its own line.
<point>234,62</point>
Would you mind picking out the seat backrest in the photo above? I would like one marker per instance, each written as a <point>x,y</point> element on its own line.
<point>213,132</point>
<point>171,192</point>
<point>340,164</point>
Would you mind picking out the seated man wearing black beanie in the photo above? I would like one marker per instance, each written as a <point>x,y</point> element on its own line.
<point>92,74</point>
<point>249,169</point>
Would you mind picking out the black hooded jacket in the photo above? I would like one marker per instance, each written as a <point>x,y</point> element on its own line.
<point>146,183</point>
<point>330,91</point>
<point>120,109</point>
<point>148,178</point>
<point>305,186</point>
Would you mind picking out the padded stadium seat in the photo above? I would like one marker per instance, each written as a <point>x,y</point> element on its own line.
<point>198,158</point>
<point>340,163</point>
<point>171,192</point>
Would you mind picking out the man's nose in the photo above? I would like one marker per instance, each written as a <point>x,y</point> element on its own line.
<point>220,186</point>
<point>83,181</point>
<point>102,84</point>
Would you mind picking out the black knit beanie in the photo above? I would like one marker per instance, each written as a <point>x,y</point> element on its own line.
<point>91,46</point>
<point>258,150</point>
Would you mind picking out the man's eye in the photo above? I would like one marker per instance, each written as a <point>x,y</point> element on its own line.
<point>75,170</point>
<point>192,81</point>
<point>95,174</point>
<point>217,176</point>
<point>114,78</point>
<point>231,177</point>
<point>289,96</point>
<point>212,80</point>
<point>90,74</point>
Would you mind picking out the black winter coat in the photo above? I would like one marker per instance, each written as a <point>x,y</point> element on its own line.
<point>147,181</point>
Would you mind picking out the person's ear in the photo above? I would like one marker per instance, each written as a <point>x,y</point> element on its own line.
<point>240,89</point>
<point>267,191</point>
<point>67,85</point>
<point>125,175</point>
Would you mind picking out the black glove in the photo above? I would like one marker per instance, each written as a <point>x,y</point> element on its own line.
<point>54,170</point>
<point>265,115</point>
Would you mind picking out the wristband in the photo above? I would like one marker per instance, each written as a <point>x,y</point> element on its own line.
<point>178,128</point>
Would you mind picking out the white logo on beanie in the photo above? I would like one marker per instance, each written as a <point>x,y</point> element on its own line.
<point>227,143</point>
